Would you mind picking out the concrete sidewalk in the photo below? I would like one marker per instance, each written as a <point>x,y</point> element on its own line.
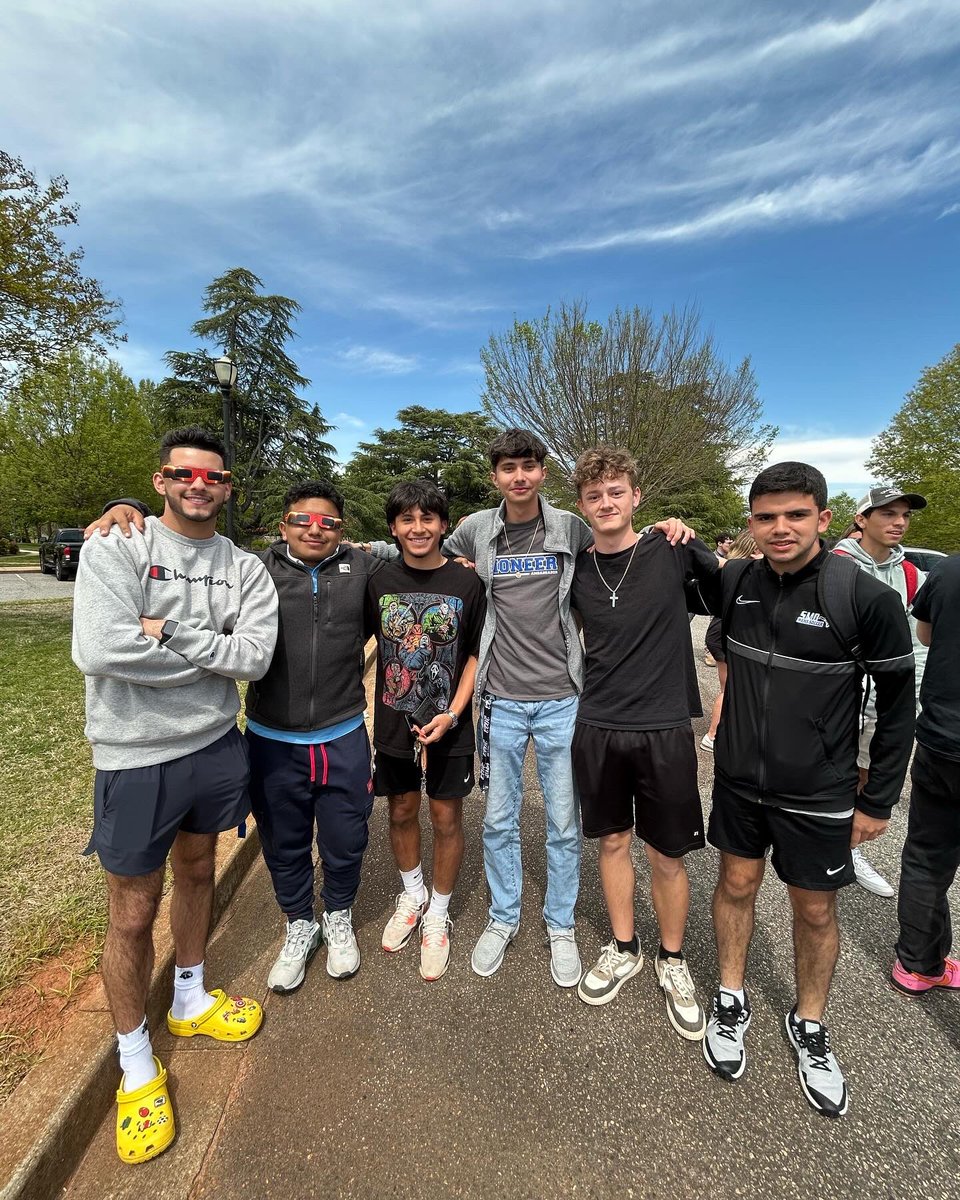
<point>384,1086</point>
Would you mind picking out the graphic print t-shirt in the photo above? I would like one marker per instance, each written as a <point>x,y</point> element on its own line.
<point>528,658</point>
<point>427,624</point>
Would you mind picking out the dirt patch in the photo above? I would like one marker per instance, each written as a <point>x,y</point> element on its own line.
<point>34,1013</point>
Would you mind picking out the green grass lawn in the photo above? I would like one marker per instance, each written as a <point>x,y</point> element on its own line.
<point>50,896</point>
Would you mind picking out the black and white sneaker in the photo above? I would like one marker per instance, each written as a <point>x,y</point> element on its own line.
<point>820,1075</point>
<point>723,1042</point>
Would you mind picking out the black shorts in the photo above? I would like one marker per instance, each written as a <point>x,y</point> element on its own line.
<point>640,778</point>
<point>448,777</point>
<point>810,850</point>
<point>713,641</point>
<point>138,812</point>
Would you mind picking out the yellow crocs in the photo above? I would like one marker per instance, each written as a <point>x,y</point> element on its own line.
<point>228,1019</point>
<point>145,1124</point>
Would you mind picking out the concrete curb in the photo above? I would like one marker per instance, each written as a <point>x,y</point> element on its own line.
<point>51,1117</point>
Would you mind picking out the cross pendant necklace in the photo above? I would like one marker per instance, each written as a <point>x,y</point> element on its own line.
<point>613,595</point>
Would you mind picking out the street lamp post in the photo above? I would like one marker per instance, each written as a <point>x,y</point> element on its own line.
<point>225,371</point>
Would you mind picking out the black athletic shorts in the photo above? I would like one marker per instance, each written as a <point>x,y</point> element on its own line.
<point>644,778</point>
<point>713,641</point>
<point>448,777</point>
<point>139,811</point>
<point>810,850</point>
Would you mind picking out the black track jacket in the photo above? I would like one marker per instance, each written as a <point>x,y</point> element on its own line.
<point>790,725</point>
<point>316,676</point>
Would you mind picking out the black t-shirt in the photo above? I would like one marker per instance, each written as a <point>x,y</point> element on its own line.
<point>640,672</point>
<point>427,624</point>
<point>938,602</point>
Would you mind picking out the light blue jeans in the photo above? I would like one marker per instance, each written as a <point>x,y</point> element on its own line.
<point>550,723</point>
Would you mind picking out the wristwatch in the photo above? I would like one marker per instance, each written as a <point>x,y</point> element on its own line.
<point>167,630</point>
<point>454,719</point>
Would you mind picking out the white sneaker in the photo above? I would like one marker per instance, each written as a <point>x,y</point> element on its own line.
<point>868,876</point>
<point>609,973</point>
<point>343,953</point>
<point>301,944</point>
<point>434,945</point>
<point>706,743</point>
<point>404,922</point>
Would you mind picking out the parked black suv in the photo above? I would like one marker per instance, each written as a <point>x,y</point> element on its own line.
<point>61,553</point>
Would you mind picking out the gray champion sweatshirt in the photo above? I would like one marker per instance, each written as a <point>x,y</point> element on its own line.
<point>148,703</point>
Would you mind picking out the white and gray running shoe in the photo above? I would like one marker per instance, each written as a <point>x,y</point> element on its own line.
<point>683,1008</point>
<point>609,973</point>
<point>868,876</point>
<point>343,953</point>
<point>723,1046</point>
<point>820,1076</point>
<point>300,945</point>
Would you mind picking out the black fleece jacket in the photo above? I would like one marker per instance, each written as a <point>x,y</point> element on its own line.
<point>316,676</point>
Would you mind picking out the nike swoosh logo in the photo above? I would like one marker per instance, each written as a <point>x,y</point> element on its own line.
<point>740,600</point>
<point>466,779</point>
<point>835,870</point>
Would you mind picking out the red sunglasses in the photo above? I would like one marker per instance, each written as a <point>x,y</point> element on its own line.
<point>306,519</point>
<point>189,474</point>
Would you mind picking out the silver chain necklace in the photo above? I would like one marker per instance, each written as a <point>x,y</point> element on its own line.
<point>536,530</point>
<point>613,595</point>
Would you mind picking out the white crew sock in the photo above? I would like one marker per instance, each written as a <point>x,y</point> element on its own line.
<point>439,903</point>
<point>190,998</point>
<point>136,1058</point>
<point>736,993</point>
<point>413,883</point>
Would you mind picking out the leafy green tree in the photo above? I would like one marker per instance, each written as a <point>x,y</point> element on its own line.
<point>71,435</point>
<point>843,506</point>
<point>279,436</point>
<point>448,448</point>
<point>47,304</point>
<point>919,451</point>
<point>658,389</point>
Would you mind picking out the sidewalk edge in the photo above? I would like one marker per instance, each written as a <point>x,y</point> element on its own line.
<point>81,1069</point>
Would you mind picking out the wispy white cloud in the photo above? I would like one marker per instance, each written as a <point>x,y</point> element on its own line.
<point>370,360</point>
<point>951,210</point>
<point>841,459</point>
<point>343,418</point>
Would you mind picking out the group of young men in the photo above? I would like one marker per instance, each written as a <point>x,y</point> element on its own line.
<point>572,635</point>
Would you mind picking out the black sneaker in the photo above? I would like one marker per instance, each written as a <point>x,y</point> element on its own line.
<point>820,1075</point>
<point>723,1042</point>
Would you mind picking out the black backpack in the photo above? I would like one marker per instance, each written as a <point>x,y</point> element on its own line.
<point>836,585</point>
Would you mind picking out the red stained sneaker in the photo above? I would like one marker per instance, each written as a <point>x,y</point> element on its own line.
<point>913,984</point>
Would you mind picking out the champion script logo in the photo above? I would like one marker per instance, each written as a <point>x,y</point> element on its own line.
<point>165,573</point>
<point>740,600</point>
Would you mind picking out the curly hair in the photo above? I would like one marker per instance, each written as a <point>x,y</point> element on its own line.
<point>603,462</point>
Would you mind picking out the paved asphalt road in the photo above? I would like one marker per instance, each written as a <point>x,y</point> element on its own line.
<point>32,586</point>
<point>384,1086</point>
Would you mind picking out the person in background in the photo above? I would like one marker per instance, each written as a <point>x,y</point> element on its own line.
<point>881,522</point>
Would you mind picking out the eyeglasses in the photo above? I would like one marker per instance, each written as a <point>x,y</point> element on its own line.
<point>306,519</point>
<point>189,474</point>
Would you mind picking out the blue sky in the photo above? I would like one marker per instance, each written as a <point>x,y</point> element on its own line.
<point>416,174</point>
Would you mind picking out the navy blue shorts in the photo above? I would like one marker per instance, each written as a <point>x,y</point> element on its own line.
<point>138,812</point>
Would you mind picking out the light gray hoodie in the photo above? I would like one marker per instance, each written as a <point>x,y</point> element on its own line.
<point>891,573</point>
<point>148,703</point>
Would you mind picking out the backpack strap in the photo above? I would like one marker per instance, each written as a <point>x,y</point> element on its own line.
<point>836,585</point>
<point>912,580</point>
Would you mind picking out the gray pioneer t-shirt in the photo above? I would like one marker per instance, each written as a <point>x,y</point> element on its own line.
<point>528,658</point>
